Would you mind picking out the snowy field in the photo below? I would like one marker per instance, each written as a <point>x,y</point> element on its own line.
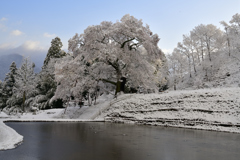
<point>208,109</point>
<point>211,109</point>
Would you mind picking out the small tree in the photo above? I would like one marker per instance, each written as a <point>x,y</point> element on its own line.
<point>1,95</point>
<point>8,85</point>
<point>25,81</point>
<point>54,51</point>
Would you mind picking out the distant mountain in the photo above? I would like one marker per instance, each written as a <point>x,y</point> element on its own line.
<point>6,61</point>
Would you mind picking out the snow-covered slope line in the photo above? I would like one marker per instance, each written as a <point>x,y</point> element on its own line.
<point>9,138</point>
<point>212,109</point>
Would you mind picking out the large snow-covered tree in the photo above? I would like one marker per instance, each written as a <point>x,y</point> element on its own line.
<point>125,52</point>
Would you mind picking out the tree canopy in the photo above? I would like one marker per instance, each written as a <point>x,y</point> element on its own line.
<point>121,53</point>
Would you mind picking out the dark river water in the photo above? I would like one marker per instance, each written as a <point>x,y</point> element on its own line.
<point>106,141</point>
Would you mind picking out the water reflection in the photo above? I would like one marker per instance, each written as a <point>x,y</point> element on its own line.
<point>106,141</point>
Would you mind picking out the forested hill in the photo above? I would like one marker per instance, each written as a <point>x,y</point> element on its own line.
<point>5,62</point>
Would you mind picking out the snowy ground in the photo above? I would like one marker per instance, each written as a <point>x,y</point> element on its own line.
<point>8,137</point>
<point>209,109</point>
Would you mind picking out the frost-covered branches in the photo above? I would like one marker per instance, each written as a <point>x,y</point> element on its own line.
<point>8,85</point>
<point>116,52</point>
<point>232,32</point>
<point>202,49</point>
<point>25,84</point>
<point>54,51</point>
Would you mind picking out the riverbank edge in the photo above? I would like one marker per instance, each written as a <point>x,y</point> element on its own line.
<point>18,139</point>
<point>204,128</point>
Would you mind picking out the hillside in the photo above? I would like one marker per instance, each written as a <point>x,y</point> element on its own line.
<point>223,71</point>
<point>208,109</point>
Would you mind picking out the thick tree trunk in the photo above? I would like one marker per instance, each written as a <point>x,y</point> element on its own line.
<point>174,86</point>
<point>209,51</point>
<point>194,65</point>
<point>89,100</point>
<point>118,87</point>
<point>123,82</point>
<point>189,66</point>
<point>67,105</point>
<point>24,98</point>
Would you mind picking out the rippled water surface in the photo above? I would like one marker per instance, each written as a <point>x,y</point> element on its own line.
<point>106,141</point>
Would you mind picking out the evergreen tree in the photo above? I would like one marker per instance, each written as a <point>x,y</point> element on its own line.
<point>8,84</point>
<point>54,51</point>
<point>46,84</point>
<point>25,77</point>
<point>1,94</point>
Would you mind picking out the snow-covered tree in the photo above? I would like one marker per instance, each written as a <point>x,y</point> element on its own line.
<point>232,32</point>
<point>211,36</point>
<point>1,95</point>
<point>8,85</point>
<point>120,53</point>
<point>54,51</point>
<point>45,80</point>
<point>25,84</point>
<point>177,65</point>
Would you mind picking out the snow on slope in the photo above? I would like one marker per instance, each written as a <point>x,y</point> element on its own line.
<point>212,109</point>
<point>9,138</point>
<point>225,72</point>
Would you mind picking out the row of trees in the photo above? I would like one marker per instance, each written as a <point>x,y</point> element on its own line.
<point>106,58</point>
<point>23,89</point>
<point>197,52</point>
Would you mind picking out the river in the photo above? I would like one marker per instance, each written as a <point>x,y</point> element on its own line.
<point>107,141</point>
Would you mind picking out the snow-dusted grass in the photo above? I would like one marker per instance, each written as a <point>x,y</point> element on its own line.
<point>209,109</point>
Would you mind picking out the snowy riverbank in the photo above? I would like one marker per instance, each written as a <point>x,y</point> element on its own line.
<point>208,109</point>
<point>9,138</point>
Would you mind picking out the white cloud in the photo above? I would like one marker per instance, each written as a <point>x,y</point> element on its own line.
<point>32,45</point>
<point>167,51</point>
<point>7,45</point>
<point>49,35</point>
<point>16,33</point>
<point>3,19</point>
<point>33,49</point>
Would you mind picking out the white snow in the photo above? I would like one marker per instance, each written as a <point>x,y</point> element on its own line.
<point>208,109</point>
<point>9,138</point>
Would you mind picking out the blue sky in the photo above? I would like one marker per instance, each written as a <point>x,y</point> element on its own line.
<point>28,26</point>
